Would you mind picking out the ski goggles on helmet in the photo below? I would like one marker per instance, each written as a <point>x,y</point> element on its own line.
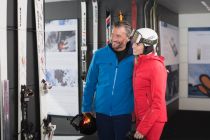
<point>137,38</point>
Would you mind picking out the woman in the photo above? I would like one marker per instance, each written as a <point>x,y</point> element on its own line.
<point>149,83</point>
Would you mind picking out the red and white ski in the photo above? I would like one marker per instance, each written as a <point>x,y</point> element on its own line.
<point>133,14</point>
<point>4,84</point>
<point>108,26</point>
<point>95,25</point>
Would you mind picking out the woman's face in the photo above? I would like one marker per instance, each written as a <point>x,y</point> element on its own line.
<point>138,49</point>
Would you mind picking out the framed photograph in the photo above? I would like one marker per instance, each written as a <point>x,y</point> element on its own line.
<point>169,47</point>
<point>199,62</point>
<point>61,47</point>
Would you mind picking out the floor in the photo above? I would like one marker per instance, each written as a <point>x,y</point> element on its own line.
<point>67,137</point>
<point>94,137</point>
<point>183,125</point>
<point>188,125</point>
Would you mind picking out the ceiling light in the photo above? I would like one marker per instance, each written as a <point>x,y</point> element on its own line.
<point>205,5</point>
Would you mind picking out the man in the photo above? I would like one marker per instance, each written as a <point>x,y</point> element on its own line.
<point>109,85</point>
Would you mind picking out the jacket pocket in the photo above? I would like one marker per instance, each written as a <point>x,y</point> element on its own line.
<point>104,72</point>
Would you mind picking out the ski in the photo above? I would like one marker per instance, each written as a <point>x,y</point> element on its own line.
<point>24,126</point>
<point>4,84</point>
<point>95,25</point>
<point>83,41</point>
<point>47,129</point>
<point>145,13</point>
<point>133,14</point>
<point>152,20</point>
<point>39,19</point>
<point>5,109</point>
<point>154,15</point>
<point>108,26</point>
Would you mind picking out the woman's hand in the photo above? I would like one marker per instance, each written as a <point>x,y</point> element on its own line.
<point>138,136</point>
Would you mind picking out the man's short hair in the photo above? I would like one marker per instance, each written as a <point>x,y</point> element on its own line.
<point>125,24</point>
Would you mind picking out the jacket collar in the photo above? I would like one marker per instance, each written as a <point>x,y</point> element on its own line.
<point>128,45</point>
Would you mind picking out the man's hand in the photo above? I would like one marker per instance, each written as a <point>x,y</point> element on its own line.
<point>92,113</point>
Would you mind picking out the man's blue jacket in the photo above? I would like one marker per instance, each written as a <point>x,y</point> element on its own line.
<point>108,87</point>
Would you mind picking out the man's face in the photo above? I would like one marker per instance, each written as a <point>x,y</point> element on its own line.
<point>119,38</point>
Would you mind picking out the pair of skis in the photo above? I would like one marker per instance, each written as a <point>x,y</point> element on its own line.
<point>150,17</point>
<point>4,83</point>
<point>84,33</point>
<point>24,126</point>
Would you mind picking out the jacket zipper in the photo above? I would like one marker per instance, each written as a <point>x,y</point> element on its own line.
<point>115,77</point>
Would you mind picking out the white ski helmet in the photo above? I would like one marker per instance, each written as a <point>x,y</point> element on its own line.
<point>146,36</point>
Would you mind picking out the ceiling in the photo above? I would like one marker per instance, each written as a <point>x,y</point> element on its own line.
<point>177,6</point>
<point>185,6</point>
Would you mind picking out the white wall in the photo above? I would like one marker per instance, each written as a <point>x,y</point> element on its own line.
<point>185,21</point>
